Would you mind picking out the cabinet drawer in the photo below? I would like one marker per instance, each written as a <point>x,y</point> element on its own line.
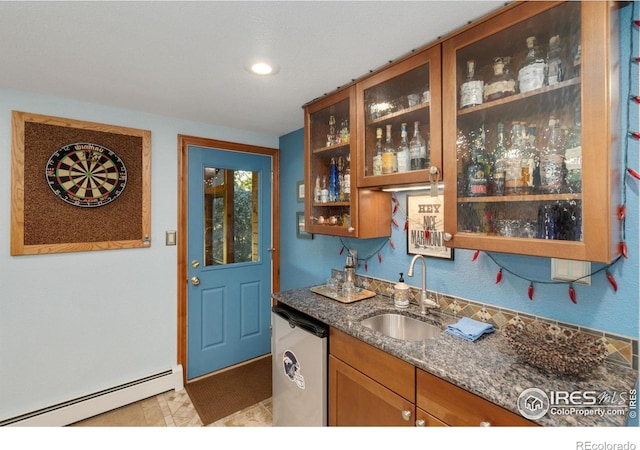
<point>424,419</point>
<point>457,407</point>
<point>392,372</point>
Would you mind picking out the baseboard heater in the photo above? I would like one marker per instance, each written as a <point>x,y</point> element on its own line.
<point>90,405</point>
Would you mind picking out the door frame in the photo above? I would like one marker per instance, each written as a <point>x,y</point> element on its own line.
<point>184,142</point>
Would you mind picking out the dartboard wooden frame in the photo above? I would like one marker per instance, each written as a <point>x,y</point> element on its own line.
<point>43,222</point>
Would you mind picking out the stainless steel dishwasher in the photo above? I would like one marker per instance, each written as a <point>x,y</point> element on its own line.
<point>299,346</point>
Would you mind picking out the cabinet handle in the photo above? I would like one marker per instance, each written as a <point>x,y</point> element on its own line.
<point>406,415</point>
<point>485,424</point>
<point>419,423</point>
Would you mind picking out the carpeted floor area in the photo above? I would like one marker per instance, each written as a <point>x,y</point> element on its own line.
<point>227,392</point>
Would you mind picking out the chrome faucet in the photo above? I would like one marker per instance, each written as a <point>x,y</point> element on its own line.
<point>424,302</point>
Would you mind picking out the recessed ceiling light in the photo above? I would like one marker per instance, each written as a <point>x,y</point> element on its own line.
<point>261,67</point>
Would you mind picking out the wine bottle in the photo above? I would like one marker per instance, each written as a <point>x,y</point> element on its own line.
<point>418,158</point>
<point>402,154</point>
<point>389,157</point>
<point>377,159</point>
<point>471,90</point>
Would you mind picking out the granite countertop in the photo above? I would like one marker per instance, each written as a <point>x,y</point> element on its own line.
<point>487,367</point>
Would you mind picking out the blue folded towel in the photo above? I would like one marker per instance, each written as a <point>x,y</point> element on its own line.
<point>469,329</point>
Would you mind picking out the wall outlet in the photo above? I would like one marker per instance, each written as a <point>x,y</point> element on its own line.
<point>568,270</point>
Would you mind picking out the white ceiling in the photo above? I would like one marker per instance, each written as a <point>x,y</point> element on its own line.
<point>186,59</point>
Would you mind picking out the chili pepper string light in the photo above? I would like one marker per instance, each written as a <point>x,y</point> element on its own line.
<point>530,289</point>
<point>365,259</point>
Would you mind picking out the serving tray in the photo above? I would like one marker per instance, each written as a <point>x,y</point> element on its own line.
<point>359,294</point>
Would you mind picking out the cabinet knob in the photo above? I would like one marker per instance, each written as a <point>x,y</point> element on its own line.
<point>406,415</point>
<point>419,423</point>
<point>485,424</point>
<point>447,236</point>
<point>351,229</point>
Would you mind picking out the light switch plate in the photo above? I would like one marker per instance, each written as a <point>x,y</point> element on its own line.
<point>170,237</point>
<point>569,270</point>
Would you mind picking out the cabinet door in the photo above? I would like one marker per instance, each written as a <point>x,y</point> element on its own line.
<point>457,407</point>
<point>332,199</point>
<point>407,92</point>
<point>524,70</point>
<point>357,400</point>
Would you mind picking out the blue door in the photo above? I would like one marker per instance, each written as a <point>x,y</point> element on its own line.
<point>229,259</point>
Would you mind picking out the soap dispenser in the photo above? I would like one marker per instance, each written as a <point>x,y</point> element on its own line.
<point>401,294</point>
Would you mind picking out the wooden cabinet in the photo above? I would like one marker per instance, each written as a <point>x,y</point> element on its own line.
<point>444,403</point>
<point>523,209</point>
<point>330,124</point>
<point>407,92</point>
<point>368,387</point>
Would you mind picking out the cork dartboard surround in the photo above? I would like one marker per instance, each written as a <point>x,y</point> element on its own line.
<point>78,186</point>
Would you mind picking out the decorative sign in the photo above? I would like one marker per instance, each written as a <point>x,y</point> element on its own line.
<point>425,231</point>
<point>86,175</point>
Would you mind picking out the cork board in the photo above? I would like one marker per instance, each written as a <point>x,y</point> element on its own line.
<point>43,221</point>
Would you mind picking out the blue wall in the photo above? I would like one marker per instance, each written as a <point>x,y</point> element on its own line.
<point>309,262</point>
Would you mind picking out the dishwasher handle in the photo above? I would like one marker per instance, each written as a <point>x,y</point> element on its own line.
<point>298,319</point>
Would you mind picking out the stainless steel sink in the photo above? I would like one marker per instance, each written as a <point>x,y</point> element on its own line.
<point>402,327</point>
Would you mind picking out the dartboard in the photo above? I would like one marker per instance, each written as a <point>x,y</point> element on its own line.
<point>86,175</point>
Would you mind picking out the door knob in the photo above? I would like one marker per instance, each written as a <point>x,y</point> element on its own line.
<point>195,281</point>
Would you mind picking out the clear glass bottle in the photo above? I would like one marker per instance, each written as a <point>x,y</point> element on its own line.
<point>402,154</point>
<point>389,157</point>
<point>477,169</point>
<point>513,173</point>
<point>418,155</point>
<point>555,68</point>
<point>499,165</point>
<point>552,159</point>
<point>471,90</point>
<point>331,137</point>
<point>529,157</point>
<point>532,74</point>
<point>377,159</point>
<point>573,155</point>
<point>500,84</point>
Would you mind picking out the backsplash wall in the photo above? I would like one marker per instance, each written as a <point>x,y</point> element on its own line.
<point>309,262</point>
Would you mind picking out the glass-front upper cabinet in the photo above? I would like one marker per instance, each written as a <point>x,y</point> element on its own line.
<point>332,199</point>
<point>530,124</point>
<point>400,138</point>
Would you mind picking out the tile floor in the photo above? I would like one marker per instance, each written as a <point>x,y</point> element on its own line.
<point>174,409</point>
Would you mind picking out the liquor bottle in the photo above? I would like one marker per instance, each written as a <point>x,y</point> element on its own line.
<point>316,191</point>
<point>573,155</point>
<point>377,159</point>
<point>552,159</point>
<point>345,187</point>
<point>417,149</point>
<point>341,166</point>
<point>477,170</point>
<point>555,68</point>
<point>500,84</point>
<point>528,162</point>
<point>513,173</point>
<point>389,157</point>
<point>532,74</point>
<point>499,166</point>
<point>577,58</point>
<point>471,89</point>
<point>462,161</point>
<point>334,182</point>
<point>402,154</point>
<point>345,136</point>
<point>324,192</point>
